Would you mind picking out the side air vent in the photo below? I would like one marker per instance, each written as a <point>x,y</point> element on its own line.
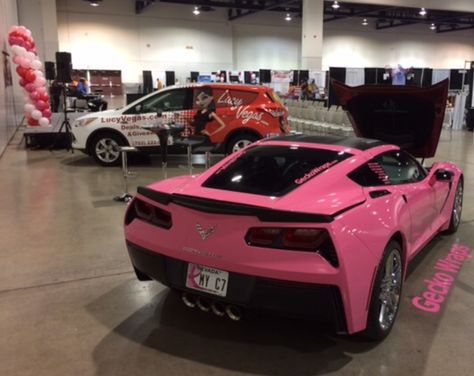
<point>379,193</point>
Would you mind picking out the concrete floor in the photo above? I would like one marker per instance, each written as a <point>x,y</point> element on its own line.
<point>70,303</point>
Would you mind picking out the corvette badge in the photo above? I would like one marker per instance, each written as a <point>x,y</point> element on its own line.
<point>204,233</point>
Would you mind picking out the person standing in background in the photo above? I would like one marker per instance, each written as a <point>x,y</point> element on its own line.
<point>159,84</point>
<point>55,92</point>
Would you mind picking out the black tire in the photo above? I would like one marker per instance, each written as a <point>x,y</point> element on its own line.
<point>104,148</point>
<point>386,293</point>
<point>239,142</point>
<point>457,208</point>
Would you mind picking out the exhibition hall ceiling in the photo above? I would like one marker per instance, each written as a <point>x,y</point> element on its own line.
<point>441,16</point>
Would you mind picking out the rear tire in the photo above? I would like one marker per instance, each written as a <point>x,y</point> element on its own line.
<point>386,293</point>
<point>104,148</point>
<point>238,142</point>
<point>457,208</point>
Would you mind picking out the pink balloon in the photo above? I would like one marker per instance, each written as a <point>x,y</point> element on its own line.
<point>47,113</point>
<point>30,87</point>
<point>34,96</point>
<point>25,63</point>
<point>41,90</point>
<point>41,105</point>
<point>40,82</point>
<point>23,82</point>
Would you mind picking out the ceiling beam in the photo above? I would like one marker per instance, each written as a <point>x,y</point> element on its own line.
<point>270,6</point>
<point>141,5</point>
<point>454,28</point>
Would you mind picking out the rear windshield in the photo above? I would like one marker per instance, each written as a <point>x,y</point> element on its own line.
<point>273,170</point>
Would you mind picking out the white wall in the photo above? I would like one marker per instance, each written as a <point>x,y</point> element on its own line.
<point>8,120</point>
<point>348,43</point>
<point>106,38</point>
<point>170,37</point>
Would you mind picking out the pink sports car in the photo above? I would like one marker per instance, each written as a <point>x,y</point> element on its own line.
<point>307,225</point>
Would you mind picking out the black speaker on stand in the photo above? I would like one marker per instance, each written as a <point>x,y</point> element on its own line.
<point>265,76</point>
<point>49,70</point>
<point>63,74</point>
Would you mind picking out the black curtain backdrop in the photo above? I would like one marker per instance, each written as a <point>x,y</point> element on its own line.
<point>170,78</point>
<point>370,75</point>
<point>337,74</point>
<point>147,82</point>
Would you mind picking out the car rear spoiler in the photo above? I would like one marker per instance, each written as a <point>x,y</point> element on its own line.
<point>231,208</point>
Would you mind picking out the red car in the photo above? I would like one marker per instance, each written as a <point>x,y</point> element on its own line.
<point>242,114</point>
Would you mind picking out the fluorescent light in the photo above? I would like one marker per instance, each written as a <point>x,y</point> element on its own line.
<point>288,17</point>
<point>433,26</point>
<point>422,12</point>
<point>365,23</point>
<point>336,5</point>
<point>94,4</point>
<point>196,11</point>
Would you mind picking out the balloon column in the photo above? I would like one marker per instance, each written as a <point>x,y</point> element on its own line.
<point>29,68</point>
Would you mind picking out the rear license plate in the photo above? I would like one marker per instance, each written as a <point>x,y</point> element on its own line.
<point>202,278</point>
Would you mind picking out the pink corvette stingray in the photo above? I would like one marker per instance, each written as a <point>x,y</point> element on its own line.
<point>307,225</point>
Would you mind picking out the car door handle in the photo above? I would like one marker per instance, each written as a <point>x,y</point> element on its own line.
<point>404,198</point>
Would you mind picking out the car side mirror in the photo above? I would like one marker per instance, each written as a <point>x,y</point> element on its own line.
<point>138,108</point>
<point>443,175</point>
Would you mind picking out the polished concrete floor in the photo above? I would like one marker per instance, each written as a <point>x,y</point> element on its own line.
<point>70,303</point>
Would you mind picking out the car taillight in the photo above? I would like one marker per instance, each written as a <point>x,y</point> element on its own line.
<point>294,239</point>
<point>148,213</point>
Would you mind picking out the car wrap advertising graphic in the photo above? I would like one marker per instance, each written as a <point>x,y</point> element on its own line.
<point>439,285</point>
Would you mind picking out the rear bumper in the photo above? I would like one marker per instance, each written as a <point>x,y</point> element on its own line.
<point>318,301</point>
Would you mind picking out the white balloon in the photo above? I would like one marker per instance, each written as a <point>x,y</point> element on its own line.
<point>22,51</point>
<point>28,32</point>
<point>16,49</point>
<point>39,73</point>
<point>31,56</point>
<point>36,64</point>
<point>28,107</point>
<point>43,122</point>
<point>36,114</point>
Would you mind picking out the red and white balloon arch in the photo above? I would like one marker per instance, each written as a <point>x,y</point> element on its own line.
<point>30,69</point>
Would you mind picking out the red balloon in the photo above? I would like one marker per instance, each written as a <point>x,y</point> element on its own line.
<point>27,45</point>
<point>30,75</point>
<point>23,82</point>
<point>21,71</point>
<point>47,113</point>
<point>44,97</point>
<point>41,105</point>
<point>32,121</point>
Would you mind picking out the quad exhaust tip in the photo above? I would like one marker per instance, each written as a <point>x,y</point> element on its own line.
<point>203,304</point>
<point>218,309</point>
<point>231,311</point>
<point>188,300</point>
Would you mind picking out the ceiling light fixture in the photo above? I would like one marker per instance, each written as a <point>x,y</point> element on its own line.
<point>94,3</point>
<point>364,22</point>
<point>196,11</point>
<point>433,26</point>
<point>288,17</point>
<point>422,12</point>
<point>336,5</point>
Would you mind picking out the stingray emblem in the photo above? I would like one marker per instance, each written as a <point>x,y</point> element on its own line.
<point>205,233</point>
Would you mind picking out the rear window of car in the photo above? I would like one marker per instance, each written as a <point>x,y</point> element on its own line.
<point>272,170</point>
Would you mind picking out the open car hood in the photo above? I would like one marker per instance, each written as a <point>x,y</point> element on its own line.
<point>407,116</point>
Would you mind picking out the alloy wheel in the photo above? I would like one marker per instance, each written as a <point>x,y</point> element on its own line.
<point>240,145</point>
<point>390,289</point>
<point>107,150</point>
<point>457,207</point>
